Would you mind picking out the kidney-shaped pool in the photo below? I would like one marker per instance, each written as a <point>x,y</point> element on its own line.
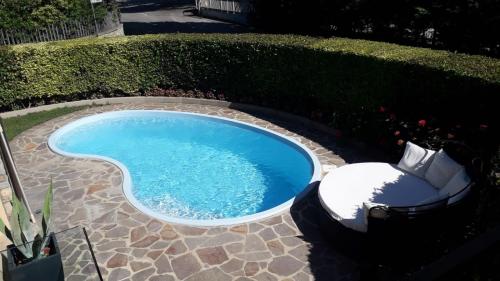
<point>192,168</point>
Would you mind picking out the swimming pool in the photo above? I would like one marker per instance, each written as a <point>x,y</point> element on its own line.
<point>193,168</point>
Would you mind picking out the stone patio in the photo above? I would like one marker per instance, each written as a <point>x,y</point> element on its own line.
<point>130,245</point>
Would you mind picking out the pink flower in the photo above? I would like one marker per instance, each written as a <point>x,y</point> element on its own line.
<point>483,126</point>
<point>400,142</point>
<point>451,136</point>
<point>397,133</point>
<point>392,116</point>
<point>382,109</point>
<point>422,123</point>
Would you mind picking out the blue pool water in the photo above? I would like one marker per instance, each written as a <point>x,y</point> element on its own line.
<point>193,166</point>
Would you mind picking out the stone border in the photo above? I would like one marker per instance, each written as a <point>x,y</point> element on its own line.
<point>138,100</point>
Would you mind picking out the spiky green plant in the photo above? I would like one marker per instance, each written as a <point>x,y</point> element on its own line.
<point>24,233</point>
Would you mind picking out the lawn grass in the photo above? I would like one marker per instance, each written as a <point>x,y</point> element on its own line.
<point>13,126</point>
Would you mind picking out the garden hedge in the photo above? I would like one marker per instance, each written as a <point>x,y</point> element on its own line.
<point>294,73</point>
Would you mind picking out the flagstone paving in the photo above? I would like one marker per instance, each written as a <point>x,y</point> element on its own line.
<point>130,245</point>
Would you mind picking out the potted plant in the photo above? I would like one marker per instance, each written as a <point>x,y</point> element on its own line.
<point>34,253</point>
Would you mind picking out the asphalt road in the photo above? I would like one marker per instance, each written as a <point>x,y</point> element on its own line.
<point>169,16</point>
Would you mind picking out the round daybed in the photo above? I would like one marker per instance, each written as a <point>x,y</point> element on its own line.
<point>386,199</point>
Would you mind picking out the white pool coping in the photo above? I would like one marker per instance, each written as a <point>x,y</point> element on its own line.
<point>127,180</point>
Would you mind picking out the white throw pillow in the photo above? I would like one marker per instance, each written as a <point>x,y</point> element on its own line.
<point>416,159</point>
<point>441,170</point>
<point>458,182</point>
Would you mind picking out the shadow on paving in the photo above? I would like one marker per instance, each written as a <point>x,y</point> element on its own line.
<point>326,263</point>
<point>137,28</point>
<point>347,149</point>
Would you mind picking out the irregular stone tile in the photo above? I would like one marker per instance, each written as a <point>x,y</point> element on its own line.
<point>301,276</point>
<point>109,217</point>
<point>79,215</point>
<point>162,265</point>
<point>216,230</point>
<point>185,266</point>
<point>118,260</point>
<point>210,274</point>
<point>265,276</point>
<point>154,226</point>
<point>160,245</point>
<point>254,244</point>
<point>251,268</point>
<point>193,242</point>
<point>241,229</point>
<point>110,245</point>
<point>289,220</point>
<point>190,231</point>
<point>284,230</point>
<point>242,278</point>
<point>119,250</point>
<point>254,227</point>
<point>118,274</point>
<point>255,256</point>
<point>275,247</point>
<point>291,241</point>
<point>154,254</point>
<point>232,265</point>
<point>267,234</point>
<point>178,247</point>
<point>139,253</point>
<point>145,242</point>
<point>212,255</point>
<point>234,248</point>
<point>127,208</point>
<point>162,278</point>
<point>222,239</point>
<point>285,266</point>
<point>168,233</point>
<point>272,221</point>
<point>95,188</point>
<point>139,265</point>
<point>75,277</point>
<point>301,252</point>
<point>119,231</point>
<point>143,275</point>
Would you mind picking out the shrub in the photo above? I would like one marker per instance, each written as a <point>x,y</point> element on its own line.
<point>309,76</point>
<point>460,25</point>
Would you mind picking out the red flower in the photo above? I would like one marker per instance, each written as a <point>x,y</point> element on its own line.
<point>382,109</point>
<point>422,123</point>
<point>397,133</point>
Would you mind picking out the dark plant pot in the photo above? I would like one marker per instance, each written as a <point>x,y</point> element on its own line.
<point>44,269</point>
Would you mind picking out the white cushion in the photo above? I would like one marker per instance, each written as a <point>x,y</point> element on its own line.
<point>441,170</point>
<point>416,159</point>
<point>344,190</point>
<point>458,182</point>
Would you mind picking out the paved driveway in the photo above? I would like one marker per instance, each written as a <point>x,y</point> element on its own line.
<point>169,16</point>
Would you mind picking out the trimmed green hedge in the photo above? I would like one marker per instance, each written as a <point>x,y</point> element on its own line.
<point>294,73</point>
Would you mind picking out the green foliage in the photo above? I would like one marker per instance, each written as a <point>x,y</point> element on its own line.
<point>23,232</point>
<point>16,14</point>
<point>458,25</point>
<point>15,125</point>
<point>293,73</point>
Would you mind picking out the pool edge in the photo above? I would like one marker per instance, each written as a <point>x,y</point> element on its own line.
<point>127,182</point>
